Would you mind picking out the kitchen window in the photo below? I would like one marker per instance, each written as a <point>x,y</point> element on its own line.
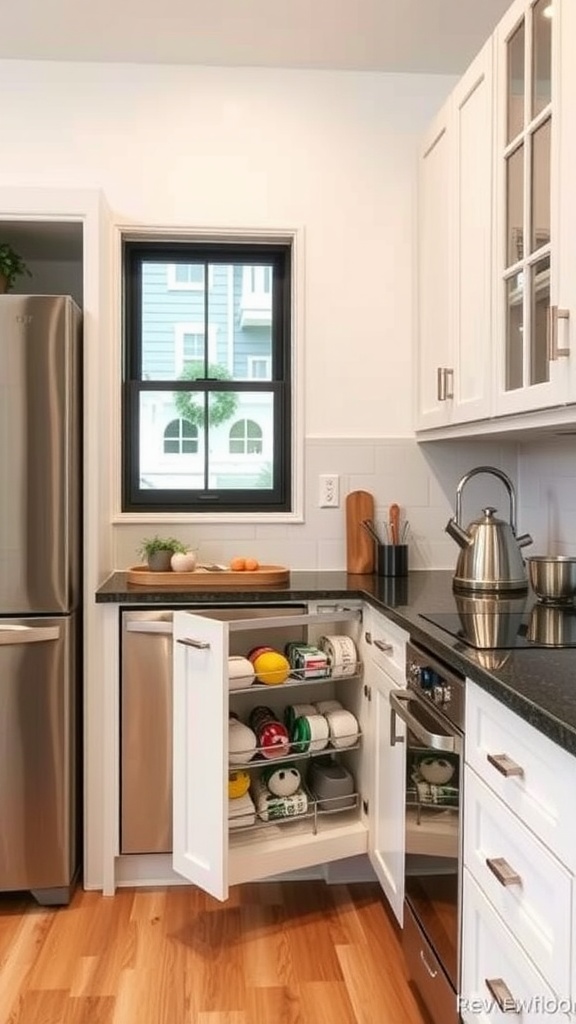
<point>207,377</point>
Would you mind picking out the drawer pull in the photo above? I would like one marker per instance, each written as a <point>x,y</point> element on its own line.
<point>505,765</point>
<point>430,970</point>
<point>503,872</point>
<point>383,646</point>
<point>200,645</point>
<point>499,991</point>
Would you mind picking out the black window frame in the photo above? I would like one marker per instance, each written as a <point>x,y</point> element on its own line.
<point>278,498</point>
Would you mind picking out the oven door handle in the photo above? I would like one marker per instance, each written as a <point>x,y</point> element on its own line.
<point>398,705</point>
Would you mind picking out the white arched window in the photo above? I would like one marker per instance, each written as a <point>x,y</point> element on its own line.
<point>180,438</point>
<point>245,438</point>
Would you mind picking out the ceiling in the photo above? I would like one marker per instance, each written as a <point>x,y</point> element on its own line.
<point>429,36</point>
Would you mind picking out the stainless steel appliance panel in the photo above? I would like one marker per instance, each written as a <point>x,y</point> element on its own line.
<point>432,708</point>
<point>146,736</point>
<point>39,787</point>
<point>40,473</point>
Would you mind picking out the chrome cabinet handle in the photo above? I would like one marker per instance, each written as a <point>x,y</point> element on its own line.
<point>443,375</point>
<point>200,645</point>
<point>449,382</point>
<point>503,872</point>
<point>383,646</point>
<point>505,765</point>
<point>499,991</point>
<point>554,315</point>
<point>431,739</point>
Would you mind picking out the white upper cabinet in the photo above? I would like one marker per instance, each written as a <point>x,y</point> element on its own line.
<point>455,253</point>
<point>435,357</point>
<point>497,290</point>
<point>533,361</point>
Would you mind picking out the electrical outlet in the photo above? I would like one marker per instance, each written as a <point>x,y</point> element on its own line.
<point>329,490</point>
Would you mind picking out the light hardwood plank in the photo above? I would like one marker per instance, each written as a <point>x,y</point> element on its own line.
<point>276,953</point>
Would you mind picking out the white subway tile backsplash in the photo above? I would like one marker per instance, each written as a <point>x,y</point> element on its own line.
<point>422,478</point>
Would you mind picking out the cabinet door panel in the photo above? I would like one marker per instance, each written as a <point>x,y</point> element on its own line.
<point>388,794</point>
<point>434,273</point>
<point>200,724</point>
<point>472,161</point>
<point>495,967</point>
<point>530,373</point>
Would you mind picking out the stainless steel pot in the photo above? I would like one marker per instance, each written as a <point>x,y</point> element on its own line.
<point>553,577</point>
<point>490,558</point>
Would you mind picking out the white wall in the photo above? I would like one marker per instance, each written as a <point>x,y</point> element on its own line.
<point>547,482</point>
<point>333,153</point>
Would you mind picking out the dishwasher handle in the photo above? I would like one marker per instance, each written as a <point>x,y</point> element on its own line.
<point>162,626</point>
<point>399,704</point>
<point>16,635</point>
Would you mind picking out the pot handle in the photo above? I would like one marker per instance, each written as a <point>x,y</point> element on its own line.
<point>501,476</point>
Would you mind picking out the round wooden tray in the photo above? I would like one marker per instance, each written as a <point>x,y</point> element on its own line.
<point>265,575</point>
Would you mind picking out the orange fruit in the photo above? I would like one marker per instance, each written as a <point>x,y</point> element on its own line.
<point>252,564</point>
<point>238,564</point>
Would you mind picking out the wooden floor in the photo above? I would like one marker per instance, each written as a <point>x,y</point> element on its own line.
<point>275,953</point>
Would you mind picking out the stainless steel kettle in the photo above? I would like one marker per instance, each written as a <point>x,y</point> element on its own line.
<point>490,558</point>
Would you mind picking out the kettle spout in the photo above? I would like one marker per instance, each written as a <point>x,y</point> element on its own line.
<point>454,530</point>
<point>523,540</point>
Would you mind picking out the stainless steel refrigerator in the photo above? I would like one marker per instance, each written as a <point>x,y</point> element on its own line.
<point>40,588</point>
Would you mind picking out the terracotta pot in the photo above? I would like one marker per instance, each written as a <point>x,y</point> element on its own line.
<point>3,284</point>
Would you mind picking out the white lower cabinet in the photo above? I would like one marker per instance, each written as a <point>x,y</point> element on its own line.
<point>523,880</point>
<point>518,936</point>
<point>208,852</point>
<point>499,981</point>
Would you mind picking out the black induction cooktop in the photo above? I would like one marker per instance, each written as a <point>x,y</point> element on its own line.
<point>541,627</point>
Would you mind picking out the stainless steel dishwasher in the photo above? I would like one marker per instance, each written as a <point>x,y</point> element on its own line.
<point>146,718</point>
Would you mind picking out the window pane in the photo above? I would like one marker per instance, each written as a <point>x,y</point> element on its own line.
<point>542,56</point>
<point>540,304</point>
<point>515,120</point>
<point>515,333</point>
<point>540,231</point>
<point>172,323</point>
<point>169,451</point>
<point>515,206</point>
<point>240,442</point>
<point>242,450</point>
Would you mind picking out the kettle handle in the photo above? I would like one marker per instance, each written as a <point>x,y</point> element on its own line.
<point>501,476</point>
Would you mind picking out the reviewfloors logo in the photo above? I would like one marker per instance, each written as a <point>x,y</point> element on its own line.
<point>545,1005</point>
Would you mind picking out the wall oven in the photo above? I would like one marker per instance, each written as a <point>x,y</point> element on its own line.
<point>432,709</point>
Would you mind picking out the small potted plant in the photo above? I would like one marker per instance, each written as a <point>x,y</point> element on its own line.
<point>12,266</point>
<point>158,552</point>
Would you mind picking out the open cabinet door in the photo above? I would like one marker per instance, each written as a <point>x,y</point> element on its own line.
<point>200,760</point>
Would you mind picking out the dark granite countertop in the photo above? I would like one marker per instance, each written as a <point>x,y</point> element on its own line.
<point>537,683</point>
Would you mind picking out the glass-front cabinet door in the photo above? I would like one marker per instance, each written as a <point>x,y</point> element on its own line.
<point>533,364</point>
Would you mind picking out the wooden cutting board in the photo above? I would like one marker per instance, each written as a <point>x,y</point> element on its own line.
<point>359,544</point>
<point>265,575</point>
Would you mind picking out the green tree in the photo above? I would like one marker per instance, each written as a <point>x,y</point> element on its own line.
<point>190,405</point>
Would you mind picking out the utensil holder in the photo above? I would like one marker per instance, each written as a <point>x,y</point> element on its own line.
<point>392,560</point>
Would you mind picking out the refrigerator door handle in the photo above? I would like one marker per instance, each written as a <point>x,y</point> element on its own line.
<point>28,634</point>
